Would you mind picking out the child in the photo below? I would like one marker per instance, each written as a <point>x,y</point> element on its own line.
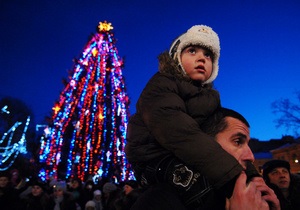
<point>166,129</point>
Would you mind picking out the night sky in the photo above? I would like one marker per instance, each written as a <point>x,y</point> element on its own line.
<point>259,61</point>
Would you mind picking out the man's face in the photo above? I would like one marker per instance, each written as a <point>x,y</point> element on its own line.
<point>281,177</point>
<point>3,181</point>
<point>127,189</point>
<point>234,139</point>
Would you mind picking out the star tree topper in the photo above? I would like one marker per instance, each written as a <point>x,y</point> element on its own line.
<point>105,26</point>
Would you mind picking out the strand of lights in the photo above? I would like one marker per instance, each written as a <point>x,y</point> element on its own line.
<point>4,110</point>
<point>9,147</point>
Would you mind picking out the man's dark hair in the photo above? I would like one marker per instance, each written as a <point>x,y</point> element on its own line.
<point>216,123</point>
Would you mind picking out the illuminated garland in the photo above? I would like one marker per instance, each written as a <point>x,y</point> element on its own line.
<point>9,147</point>
<point>90,119</point>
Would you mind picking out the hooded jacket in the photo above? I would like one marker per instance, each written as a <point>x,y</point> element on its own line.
<point>168,119</point>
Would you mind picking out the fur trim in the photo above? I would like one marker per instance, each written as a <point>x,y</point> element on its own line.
<point>170,66</point>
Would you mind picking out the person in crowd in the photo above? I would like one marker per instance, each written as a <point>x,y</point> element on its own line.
<point>8,195</point>
<point>61,199</point>
<point>98,200</point>
<point>130,194</point>
<point>231,131</point>
<point>35,197</point>
<point>286,185</point>
<point>130,185</point>
<point>111,193</point>
<point>16,178</point>
<point>167,126</point>
<point>90,205</point>
<point>87,192</point>
<point>75,187</point>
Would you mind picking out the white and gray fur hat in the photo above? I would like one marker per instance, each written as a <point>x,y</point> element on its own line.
<point>199,35</point>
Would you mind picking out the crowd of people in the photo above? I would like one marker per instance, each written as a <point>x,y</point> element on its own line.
<point>65,195</point>
<point>77,195</point>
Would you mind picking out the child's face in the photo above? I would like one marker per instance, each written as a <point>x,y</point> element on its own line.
<point>36,190</point>
<point>197,63</point>
<point>58,192</point>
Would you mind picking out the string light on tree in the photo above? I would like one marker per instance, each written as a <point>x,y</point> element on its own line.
<point>10,148</point>
<point>4,110</point>
<point>89,121</point>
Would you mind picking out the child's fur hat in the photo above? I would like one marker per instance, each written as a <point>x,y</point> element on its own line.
<point>199,35</point>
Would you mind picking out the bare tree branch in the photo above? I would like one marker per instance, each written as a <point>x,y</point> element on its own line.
<point>289,113</point>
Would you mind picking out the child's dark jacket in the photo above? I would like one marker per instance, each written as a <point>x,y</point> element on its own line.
<point>168,114</point>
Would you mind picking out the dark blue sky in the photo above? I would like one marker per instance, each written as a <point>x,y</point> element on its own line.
<point>259,48</point>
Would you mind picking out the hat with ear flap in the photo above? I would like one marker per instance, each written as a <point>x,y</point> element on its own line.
<point>199,35</point>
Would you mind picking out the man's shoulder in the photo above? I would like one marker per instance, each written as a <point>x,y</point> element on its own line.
<point>296,178</point>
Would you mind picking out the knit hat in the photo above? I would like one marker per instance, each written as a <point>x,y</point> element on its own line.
<point>60,185</point>
<point>90,204</point>
<point>97,192</point>
<point>5,174</point>
<point>109,187</point>
<point>272,164</point>
<point>132,183</point>
<point>52,182</point>
<point>38,183</point>
<point>199,35</point>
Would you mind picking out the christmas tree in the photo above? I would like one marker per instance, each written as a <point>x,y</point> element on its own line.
<point>87,135</point>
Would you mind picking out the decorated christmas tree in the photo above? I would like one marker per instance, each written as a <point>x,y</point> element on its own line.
<point>87,134</point>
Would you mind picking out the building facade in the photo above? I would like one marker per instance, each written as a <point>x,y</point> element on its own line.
<point>290,153</point>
